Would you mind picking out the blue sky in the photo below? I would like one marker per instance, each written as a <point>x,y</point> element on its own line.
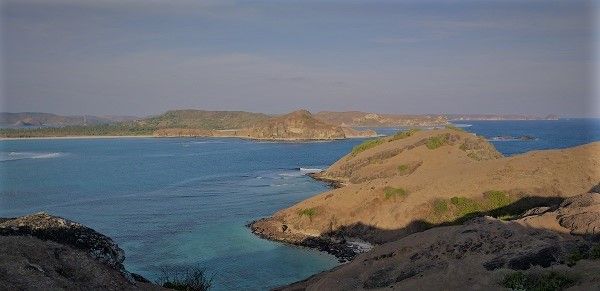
<point>145,57</point>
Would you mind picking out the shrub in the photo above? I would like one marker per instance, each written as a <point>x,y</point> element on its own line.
<point>390,192</point>
<point>402,168</point>
<point>189,279</point>
<point>310,212</point>
<point>440,207</point>
<point>404,134</point>
<point>496,199</point>
<point>546,281</point>
<point>595,252</point>
<point>365,146</point>
<point>464,206</point>
<point>435,142</point>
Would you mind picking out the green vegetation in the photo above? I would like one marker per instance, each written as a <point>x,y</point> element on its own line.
<point>391,192</point>
<point>440,207</point>
<point>538,282</point>
<point>192,279</point>
<point>120,129</point>
<point>403,134</point>
<point>188,119</point>
<point>402,168</point>
<point>453,127</point>
<point>366,145</point>
<point>460,208</point>
<point>496,199</point>
<point>435,142</point>
<point>579,254</point>
<point>465,206</point>
<point>595,252</point>
<point>309,212</point>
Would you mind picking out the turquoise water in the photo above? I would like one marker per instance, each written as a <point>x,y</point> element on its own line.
<point>180,201</point>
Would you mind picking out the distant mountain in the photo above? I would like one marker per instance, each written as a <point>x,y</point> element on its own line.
<point>358,119</point>
<point>499,117</point>
<point>39,119</point>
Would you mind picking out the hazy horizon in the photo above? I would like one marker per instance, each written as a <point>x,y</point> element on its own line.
<point>143,58</point>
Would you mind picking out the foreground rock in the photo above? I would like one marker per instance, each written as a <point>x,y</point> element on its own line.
<point>43,252</point>
<point>484,254</point>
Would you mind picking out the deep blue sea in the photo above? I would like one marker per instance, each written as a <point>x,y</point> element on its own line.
<point>184,201</point>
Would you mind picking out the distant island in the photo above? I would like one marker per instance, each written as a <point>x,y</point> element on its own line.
<point>410,208</point>
<point>457,117</point>
<point>298,125</point>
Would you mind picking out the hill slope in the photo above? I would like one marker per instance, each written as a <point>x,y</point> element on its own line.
<point>38,119</point>
<point>403,184</point>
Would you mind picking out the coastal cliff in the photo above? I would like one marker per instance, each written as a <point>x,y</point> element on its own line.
<point>41,251</point>
<point>396,186</point>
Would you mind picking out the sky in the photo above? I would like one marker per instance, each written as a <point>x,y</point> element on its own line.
<point>143,57</point>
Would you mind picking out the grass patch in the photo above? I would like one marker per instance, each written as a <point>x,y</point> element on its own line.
<point>546,281</point>
<point>191,279</point>
<point>496,199</point>
<point>391,192</point>
<point>465,206</point>
<point>435,142</point>
<point>404,134</point>
<point>440,207</point>
<point>366,145</point>
<point>402,168</point>
<point>453,127</point>
<point>310,212</point>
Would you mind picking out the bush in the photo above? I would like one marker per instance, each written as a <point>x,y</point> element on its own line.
<point>496,199</point>
<point>404,134</point>
<point>595,252</point>
<point>465,206</point>
<point>390,192</point>
<point>547,281</point>
<point>402,168</point>
<point>310,212</point>
<point>189,279</point>
<point>365,146</point>
<point>435,142</point>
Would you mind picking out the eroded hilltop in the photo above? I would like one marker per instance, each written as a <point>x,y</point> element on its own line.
<point>402,185</point>
<point>45,252</point>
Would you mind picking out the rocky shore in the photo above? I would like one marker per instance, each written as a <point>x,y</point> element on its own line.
<point>45,252</point>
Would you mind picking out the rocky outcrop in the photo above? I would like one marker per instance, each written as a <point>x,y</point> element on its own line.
<point>480,253</point>
<point>49,252</point>
<point>301,125</point>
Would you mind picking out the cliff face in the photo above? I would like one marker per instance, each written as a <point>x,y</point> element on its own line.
<point>557,246</point>
<point>41,251</point>
<point>301,125</point>
<point>403,184</point>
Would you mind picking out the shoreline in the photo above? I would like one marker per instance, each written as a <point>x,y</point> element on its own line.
<point>181,136</point>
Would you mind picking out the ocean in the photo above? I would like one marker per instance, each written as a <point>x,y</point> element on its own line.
<point>176,202</point>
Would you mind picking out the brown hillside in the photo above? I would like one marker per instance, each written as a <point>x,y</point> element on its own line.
<point>403,184</point>
<point>357,118</point>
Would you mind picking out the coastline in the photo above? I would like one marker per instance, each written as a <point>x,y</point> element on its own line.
<point>177,136</point>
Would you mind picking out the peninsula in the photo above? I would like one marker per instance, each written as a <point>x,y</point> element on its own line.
<point>418,195</point>
<point>297,125</point>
